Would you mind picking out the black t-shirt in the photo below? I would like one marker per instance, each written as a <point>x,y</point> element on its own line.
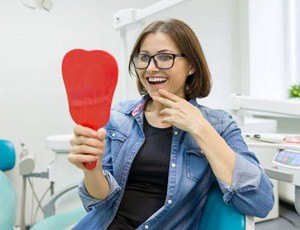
<point>147,183</point>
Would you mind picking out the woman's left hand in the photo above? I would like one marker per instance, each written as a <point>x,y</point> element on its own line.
<point>179,112</point>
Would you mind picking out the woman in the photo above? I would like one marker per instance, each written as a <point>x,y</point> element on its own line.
<point>159,156</point>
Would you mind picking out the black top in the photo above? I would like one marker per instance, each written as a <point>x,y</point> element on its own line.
<point>146,187</point>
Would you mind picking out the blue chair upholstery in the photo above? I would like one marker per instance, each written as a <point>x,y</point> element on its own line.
<point>7,202</point>
<point>60,221</point>
<point>7,155</point>
<point>219,216</point>
<point>7,191</point>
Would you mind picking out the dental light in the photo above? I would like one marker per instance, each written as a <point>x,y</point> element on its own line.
<point>130,16</point>
<point>38,4</point>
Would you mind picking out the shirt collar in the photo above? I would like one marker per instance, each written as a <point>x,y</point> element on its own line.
<point>138,107</point>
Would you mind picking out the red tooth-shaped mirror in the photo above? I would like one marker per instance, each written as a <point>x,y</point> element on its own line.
<point>90,79</point>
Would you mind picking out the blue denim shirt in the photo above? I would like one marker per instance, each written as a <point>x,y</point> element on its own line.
<point>190,175</point>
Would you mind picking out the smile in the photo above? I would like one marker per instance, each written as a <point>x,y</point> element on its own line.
<point>156,80</point>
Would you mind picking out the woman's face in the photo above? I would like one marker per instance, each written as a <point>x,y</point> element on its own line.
<point>153,78</point>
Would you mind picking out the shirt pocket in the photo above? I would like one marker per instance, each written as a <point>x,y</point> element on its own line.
<point>196,164</point>
<point>117,139</point>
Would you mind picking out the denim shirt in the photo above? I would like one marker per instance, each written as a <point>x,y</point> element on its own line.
<point>190,174</point>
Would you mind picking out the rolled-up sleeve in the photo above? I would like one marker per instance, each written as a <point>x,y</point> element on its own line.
<point>243,180</point>
<point>89,202</point>
<point>251,190</point>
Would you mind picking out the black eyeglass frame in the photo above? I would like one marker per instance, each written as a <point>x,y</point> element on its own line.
<point>155,61</point>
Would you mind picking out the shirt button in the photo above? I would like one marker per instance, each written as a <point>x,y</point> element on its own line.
<point>170,201</point>
<point>173,165</point>
<point>146,226</point>
<point>113,134</point>
<point>176,132</point>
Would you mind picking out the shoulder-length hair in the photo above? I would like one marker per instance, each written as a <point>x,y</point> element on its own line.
<point>198,84</point>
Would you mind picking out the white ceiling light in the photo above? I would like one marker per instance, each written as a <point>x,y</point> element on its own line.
<point>38,4</point>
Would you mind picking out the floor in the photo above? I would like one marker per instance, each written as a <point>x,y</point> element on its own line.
<point>288,219</point>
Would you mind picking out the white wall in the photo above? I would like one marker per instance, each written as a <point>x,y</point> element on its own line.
<point>267,49</point>
<point>32,43</point>
<point>293,41</point>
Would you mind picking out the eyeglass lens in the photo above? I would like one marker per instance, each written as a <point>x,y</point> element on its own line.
<point>161,61</point>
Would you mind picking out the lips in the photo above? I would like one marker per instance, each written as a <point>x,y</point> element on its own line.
<point>156,80</point>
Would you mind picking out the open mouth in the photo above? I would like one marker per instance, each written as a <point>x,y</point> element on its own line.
<point>157,80</point>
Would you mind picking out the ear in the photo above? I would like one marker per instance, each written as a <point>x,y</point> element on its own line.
<point>191,70</point>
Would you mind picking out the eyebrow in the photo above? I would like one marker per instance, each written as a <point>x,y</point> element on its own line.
<point>160,51</point>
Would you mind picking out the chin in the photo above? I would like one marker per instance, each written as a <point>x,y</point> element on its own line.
<point>151,94</point>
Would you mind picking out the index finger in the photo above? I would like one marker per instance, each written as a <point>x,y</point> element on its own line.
<point>163,100</point>
<point>80,130</point>
<point>169,95</point>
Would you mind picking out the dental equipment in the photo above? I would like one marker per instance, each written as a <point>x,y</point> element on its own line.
<point>261,116</point>
<point>271,138</point>
<point>26,168</point>
<point>287,164</point>
<point>240,104</point>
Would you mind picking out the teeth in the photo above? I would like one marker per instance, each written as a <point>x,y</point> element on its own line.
<point>157,79</point>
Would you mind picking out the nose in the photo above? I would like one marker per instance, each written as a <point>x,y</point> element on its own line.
<point>152,65</point>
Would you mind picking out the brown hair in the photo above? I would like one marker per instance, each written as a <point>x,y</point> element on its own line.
<point>198,84</point>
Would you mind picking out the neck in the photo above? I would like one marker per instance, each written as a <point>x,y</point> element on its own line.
<point>153,116</point>
<point>154,106</point>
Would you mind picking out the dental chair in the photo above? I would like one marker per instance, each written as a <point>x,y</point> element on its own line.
<point>60,221</point>
<point>216,214</point>
<point>7,191</point>
<point>8,198</point>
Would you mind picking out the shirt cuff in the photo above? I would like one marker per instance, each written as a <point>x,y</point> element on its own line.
<point>88,201</point>
<point>246,177</point>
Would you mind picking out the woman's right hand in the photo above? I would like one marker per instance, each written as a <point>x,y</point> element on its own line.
<point>87,145</point>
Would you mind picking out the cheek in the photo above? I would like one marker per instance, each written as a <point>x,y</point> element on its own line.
<point>141,80</point>
<point>179,76</point>
<point>139,74</point>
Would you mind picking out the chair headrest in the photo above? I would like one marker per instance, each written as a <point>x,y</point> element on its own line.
<point>7,155</point>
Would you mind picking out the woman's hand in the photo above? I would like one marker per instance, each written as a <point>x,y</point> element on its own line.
<point>179,112</point>
<point>87,145</point>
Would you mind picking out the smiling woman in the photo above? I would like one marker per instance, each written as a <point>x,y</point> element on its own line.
<point>168,40</point>
<point>165,149</point>
<point>174,76</point>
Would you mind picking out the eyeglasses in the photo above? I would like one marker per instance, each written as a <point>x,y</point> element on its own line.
<point>161,60</point>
